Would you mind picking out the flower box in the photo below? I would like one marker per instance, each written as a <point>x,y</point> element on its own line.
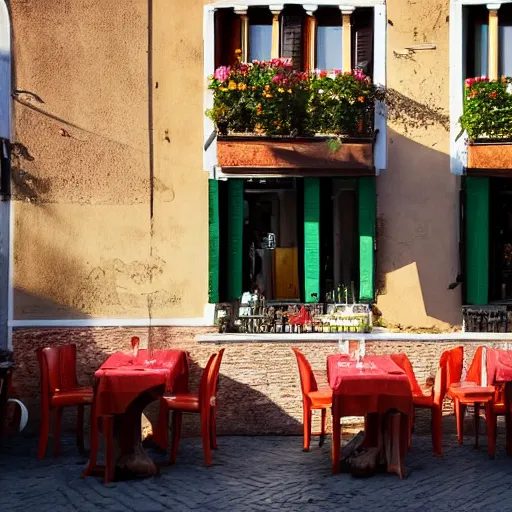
<point>487,121</point>
<point>490,155</point>
<point>259,155</point>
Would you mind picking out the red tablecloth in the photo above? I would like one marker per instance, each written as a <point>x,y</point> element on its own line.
<point>499,366</point>
<point>123,377</point>
<point>381,385</point>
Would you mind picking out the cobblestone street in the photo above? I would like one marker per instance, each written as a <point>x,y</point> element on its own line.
<point>259,473</point>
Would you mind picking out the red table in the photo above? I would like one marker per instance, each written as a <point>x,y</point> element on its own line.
<point>124,385</point>
<point>499,372</point>
<point>380,386</point>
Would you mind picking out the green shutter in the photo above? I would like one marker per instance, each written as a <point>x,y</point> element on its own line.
<point>312,239</point>
<point>235,237</point>
<point>213,247</point>
<point>367,215</point>
<point>477,240</point>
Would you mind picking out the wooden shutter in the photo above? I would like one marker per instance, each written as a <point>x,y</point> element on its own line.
<point>214,245</point>
<point>364,49</point>
<point>235,237</point>
<point>291,39</point>
<point>227,37</point>
<point>477,240</point>
<point>312,239</point>
<point>367,218</point>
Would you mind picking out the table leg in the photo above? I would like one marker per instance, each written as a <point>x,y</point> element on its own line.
<point>508,416</point>
<point>92,467</point>
<point>490,419</point>
<point>336,434</point>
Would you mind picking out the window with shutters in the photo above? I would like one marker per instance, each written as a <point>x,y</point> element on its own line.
<point>312,41</point>
<point>477,41</point>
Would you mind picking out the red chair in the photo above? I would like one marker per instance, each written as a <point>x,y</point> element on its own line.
<point>471,392</point>
<point>204,403</point>
<point>59,389</point>
<point>448,372</point>
<point>313,398</point>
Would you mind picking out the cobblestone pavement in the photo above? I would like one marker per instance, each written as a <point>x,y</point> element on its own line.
<point>259,473</point>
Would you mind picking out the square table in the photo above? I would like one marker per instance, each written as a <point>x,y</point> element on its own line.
<point>123,386</point>
<point>379,386</point>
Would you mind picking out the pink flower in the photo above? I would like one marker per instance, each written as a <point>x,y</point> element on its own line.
<point>222,73</point>
<point>278,78</point>
<point>359,75</point>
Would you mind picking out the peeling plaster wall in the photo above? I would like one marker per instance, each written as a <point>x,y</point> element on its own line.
<point>417,226</point>
<point>85,244</point>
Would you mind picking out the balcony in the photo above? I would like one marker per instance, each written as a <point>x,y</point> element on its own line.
<point>487,120</point>
<point>272,120</point>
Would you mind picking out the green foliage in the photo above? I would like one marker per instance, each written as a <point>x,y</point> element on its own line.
<point>487,108</point>
<point>272,98</point>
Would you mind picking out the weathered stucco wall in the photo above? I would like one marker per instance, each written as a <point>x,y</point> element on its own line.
<point>417,195</point>
<point>85,243</point>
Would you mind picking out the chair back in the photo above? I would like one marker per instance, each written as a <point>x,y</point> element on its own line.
<point>448,372</point>
<point>215,373</point>
<point>58,368</point>
<point>405,364</point>
<point>307,378</point>
<point>208,385</point>
<point>474,373</point>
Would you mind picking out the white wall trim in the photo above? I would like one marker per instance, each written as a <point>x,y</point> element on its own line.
<point>457,147</point>
<point>337,337</point>
<point>254,3</point>
<point>207,320</point>
<point>210,154</point>
<point>380,23</point>
<point>112,322</point>
<point>6,133</point>
<point>479,2</point>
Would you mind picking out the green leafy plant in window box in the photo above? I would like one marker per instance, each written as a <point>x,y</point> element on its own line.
<point>487,109</point>
<point>273,99</point>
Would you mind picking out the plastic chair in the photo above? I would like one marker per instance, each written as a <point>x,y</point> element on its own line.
<point>59,389</point>
<point>471,392</point>
<point>313,398</point>
<point>448,372</point>
<point>204,403</point>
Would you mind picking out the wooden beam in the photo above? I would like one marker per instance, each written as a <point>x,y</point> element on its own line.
<point>493,41</point>
<point>346,13</point>
<point>276,11</point>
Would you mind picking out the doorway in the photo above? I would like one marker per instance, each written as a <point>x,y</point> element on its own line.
<point>500,240</point>
<point>271,241</point>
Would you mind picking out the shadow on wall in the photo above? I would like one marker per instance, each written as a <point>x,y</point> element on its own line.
<point>418,229</point>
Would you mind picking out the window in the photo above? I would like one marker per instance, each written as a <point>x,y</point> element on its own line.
<point>477,41</point>
<point>294,37</point>
<point>260,34</point>
<point>505,40</point>
<point>329,39</point>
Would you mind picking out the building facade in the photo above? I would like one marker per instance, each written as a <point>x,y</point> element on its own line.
<point>123,209</point>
